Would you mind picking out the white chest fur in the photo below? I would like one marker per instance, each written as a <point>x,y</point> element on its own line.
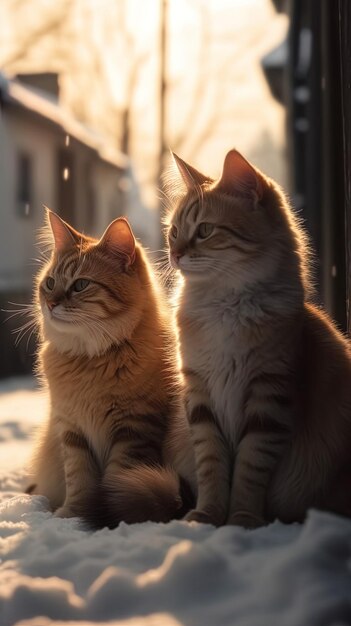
<point>220,342</point>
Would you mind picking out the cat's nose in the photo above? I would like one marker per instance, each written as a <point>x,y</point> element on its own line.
<point>175,256</point>
<point>51,304</point>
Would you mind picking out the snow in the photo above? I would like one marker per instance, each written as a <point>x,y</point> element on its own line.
<point>53,573</point>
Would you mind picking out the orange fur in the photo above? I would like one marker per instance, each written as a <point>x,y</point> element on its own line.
<point>107,355</point>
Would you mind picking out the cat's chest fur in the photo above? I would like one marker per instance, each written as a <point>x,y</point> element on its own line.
<point>83,398</point>
<point>220,341</point>
<point>81,410</point>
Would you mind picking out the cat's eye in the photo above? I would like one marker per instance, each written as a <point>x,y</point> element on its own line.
<point>80,284</point>
<point>174,232</point>
<point>50,283</point>
<point>205,230</point>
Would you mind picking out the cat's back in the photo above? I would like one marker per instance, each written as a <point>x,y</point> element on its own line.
<point>326,362</point>
<point>325,349</point>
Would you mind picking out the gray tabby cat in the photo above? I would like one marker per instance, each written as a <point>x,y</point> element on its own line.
<point>268,375</point>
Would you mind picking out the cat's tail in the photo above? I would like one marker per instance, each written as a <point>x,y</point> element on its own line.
<point>143,493</point>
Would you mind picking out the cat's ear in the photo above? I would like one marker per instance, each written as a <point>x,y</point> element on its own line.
<point>192,177</point>
<point>65,237</point>
<point>119,239</point>
<point>239,177</point>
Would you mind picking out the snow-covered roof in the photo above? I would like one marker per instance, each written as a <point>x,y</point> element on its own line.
<point>42,104</point>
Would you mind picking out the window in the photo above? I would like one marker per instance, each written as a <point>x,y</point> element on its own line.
<point>24,184</point>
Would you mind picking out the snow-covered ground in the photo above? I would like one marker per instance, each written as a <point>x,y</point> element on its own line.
<point>54,573</point>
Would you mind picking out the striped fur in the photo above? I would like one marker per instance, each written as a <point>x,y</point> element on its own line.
<point>267,374</point>
<point>116,445</point>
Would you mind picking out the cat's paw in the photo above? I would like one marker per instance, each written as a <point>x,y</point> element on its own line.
<point>64,511</point>
<point>245,520</point>
<point>203,517</point>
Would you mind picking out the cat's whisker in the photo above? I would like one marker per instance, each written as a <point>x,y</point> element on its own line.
<point>19,311</point>
<point>23,309</point>
<point>163,265</point>
<point>165,271</point>
<point>161,259</point>
<point>161,251</point>
<point>30,337</point>
<point>15,314</point>
<point>23,330</point>
<point>27,324</point>
<point>21,304</point>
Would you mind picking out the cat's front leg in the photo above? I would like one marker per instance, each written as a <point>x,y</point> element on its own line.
<point>257,457</point>
<point>212,457</point>
<point>212,462</point>
<point>80,473</point>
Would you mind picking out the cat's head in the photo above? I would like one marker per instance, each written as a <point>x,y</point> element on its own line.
<point>91,291</point>
<point>237,229</point>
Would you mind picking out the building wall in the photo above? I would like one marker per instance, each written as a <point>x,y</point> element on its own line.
<point>97,200</point>
<point>98,197</point>
<point>18,232</point>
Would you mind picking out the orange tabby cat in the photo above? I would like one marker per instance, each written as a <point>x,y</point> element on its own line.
<point>115,446</point>
<point>268,375</point>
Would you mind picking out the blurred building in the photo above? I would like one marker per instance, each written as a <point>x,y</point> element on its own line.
<point>47,157</point>
<point>107,60</point>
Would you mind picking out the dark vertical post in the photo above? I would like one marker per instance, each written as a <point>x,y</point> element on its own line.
<point>344,14</point>
<point>162,94</point>
<point>315,118</point>
<point>332,180</point>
